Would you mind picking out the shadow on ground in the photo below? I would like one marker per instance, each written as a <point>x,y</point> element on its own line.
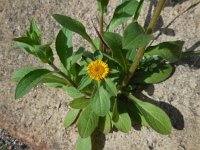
<point>159,27</point>
<point>174,114</point>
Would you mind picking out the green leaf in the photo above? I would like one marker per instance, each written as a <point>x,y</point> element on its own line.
<point>74,71</point>
<point>4,147</point>
<point>114,41</point>
<point>135,37</point>
<point>25,40</point>
<point>88,122</point>
<point>77,55</point>
<point>98,55</point>
<point>157,75</point>
<point>64,46</point>
<point>135,114</point>
<point>80,103</point>
<point>35,32</point>
<point>64,70</point>
<point>44,53</point>
<point>50,78</point>
<point>124,122</point>
<point>73,25</point>
<point>156,117</point>
<point>85,81</point>
<point>29,49</point>
<point>138,10</point>
<point>111,87</point>
<point>84,143</point>
<point>19,74</point>
<point>105,124</point>
<point>122,13</point>
<point>131,55</point>
<point>100,102</point>
<point>171,51</point>
<point>112,62</point>
<point>71,117</point>
<point>115,114</point>
<point>54,85</point>
<point>83,71</point>
<point>32,38</point>
<point>29,81</point>
<point>103,5</point>
<point>73,92</point>
<point>96,42</point>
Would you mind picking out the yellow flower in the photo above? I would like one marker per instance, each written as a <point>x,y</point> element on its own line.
<point>97,70</point>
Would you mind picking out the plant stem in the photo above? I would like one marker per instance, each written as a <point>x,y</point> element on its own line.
<point>101,28</point>
<point>62,74</point>
<point>155,16</point>
<point>133,67</point>
<point>140,51</point>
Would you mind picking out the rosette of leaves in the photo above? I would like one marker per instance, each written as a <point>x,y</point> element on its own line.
<point>106,103</point>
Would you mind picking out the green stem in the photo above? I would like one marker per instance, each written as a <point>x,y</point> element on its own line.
<point>155,16</point>
<point>63,75</point>
<point>133,67</point>
<point>140,51</point>
<point>101,28</point>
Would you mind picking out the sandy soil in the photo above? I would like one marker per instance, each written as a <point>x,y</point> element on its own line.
<point>37,119</point>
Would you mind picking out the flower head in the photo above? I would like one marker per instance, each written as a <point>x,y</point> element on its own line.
<point>97,70</point>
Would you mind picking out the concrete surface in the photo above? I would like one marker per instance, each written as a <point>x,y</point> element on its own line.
<point>37,119</point>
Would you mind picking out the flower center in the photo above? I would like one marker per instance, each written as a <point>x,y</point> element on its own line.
<point>97,70</point>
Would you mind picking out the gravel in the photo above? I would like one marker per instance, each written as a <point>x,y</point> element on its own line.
<point>11,143</point>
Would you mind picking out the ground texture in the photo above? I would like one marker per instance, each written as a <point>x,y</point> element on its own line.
<point>37,120</point>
